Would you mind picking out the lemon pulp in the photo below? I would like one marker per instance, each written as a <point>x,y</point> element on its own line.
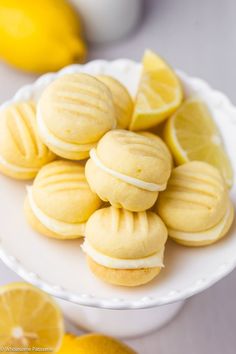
<point>159,93</point>
<point>192,134</point>
<point>29,318</point>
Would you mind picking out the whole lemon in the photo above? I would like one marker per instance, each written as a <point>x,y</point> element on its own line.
<point>40,36</point>
<point>93,344</point>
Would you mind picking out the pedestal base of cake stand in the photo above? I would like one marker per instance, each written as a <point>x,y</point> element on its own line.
<point>120,323</point>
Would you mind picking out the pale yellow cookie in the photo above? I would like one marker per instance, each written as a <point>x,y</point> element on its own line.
<point>196,206</point>
<point>128,169</point>
<point>22,153</point>
<point>125,248</point>
<point>73,113</point>
<point>122,100</point>
<point>60,201</point>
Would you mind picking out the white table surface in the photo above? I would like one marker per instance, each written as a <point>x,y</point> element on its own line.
<point>198,37</point>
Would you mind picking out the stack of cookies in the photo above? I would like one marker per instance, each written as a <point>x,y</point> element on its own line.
<point>97,179</point>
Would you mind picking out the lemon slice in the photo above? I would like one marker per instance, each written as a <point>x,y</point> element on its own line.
<point>192,134</point>
<point>159,93</point>
<point>29,318</point>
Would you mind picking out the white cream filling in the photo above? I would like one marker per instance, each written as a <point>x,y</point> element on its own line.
<point>58,143</point>
<point>155,260</point>
<point>15,168</point>
<point>152,187</point>
<point>211,234</point>
<point>59,227</point>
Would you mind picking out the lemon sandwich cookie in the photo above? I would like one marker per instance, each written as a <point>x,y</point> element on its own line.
<point>196,206</point>
<point>122,100</point>
<point>60,201</point>
<point>73,113</point>
<point>125,248</point>
<point>128,169</point>
<point>22,153</point>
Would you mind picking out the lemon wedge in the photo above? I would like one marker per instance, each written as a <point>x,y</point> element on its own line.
<point>29,318</point>
<point>159,93</point>
<point>192,134</point>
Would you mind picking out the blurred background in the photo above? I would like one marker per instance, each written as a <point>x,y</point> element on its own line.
<point>197,37</point>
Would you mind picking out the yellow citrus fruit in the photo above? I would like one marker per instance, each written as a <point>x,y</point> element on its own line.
<point>159,93</point>
<point>29,318</point>
<point>192,134</point>
<point>93,344</point>
<point>40,36</point>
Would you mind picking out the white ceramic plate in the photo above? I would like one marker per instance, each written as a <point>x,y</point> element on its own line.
<point>59,268</point>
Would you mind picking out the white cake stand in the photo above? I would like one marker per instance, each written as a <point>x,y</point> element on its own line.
<point>59,267</point>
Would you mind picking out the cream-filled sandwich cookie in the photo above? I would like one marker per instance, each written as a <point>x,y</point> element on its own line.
<point>125,248</point>
<point>73,113</point>
<point>128,169</point>
<point>122,100</point>
<point>22,153</point>
<point>59,202</point>
<point>196,207</point>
